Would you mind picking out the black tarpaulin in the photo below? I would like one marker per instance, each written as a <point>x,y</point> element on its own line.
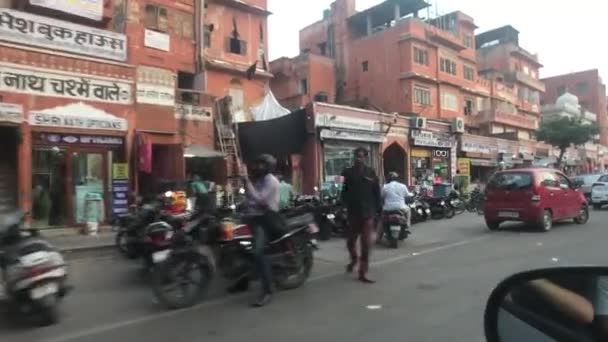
<point>279,137</point>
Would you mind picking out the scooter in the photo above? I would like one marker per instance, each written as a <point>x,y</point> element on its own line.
<point>34,272</point>
<point>395,229</point>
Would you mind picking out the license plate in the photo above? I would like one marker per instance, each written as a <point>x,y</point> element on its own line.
<point>331,216</point>
<point>508,214</point>
<point>395,229</point>
<point>160,256</point>
<point>44,290</point>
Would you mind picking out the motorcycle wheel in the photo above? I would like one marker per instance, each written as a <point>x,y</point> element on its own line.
<point>325,231</point>
<point>176,274</point>
<point>459,210</point>
<point>448,213</point>
<point>393,243</point>
<point>292,281</point>
<point>48,312</point>
<point>122,245</point>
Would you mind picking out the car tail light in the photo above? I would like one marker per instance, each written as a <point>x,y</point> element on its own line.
<point>242,230</point>
<point>535,198</point>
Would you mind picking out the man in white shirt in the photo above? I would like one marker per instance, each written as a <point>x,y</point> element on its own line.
<point>394,194</point>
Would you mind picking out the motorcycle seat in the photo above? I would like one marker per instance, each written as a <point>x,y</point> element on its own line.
<point>295,225</point>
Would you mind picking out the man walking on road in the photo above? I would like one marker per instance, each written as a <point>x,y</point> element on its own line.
<point>361,195</point>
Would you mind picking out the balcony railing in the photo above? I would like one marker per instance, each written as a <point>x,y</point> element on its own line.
<point>515,120</point>
<point>519,76</point>
<point>444,37</point>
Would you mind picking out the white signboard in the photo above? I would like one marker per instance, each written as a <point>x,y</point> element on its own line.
<point>352,136</point>
<point>24,28</point>
<point>345,122</point>
<point>78,116</point>
<point>155,94</point>
<point>190,112</point>
<point>473,147</point>
<point>426,138</point>
<point>67,85</point>
<point>92,9</point>
<point>10,112</point>
<point>157,40</point>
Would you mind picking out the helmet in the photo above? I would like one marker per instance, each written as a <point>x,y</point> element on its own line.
<point>269,161</point>
<point>392,176</point>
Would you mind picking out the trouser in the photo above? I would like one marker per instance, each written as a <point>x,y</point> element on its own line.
<point>360,229</point>
<point>266,227</point>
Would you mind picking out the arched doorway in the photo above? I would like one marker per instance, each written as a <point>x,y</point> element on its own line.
<point>394,158</point>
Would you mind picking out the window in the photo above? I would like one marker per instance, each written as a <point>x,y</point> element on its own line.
<point>365,66</point>
<point>237,46</point>
<point>323,49</point>
<point>422,96</point>
<point>303,86</point>
<point>421,56</point>
<point>526,70</point>
<point>511,180</point>
<point>469,106</point>
<point>321,97</point>
<point>581,87</point>
<point>603,179</point>
<point>469,73</point>
<point>561,90</point>
<point>563,181</point>
<point>156,18</point>
<point>449,101</point>
<point>523,93</point>
<point>183,24</point>
<point>467,41</point>
<point>548,179</point>
<point>448,66</point>
<point>207,35</point>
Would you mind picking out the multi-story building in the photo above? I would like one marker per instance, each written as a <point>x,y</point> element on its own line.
<point>108,95</point>
<point>590,90</point>
<point>514,111</point>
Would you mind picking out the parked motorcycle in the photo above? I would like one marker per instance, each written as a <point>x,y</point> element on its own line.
<point>184,271</point>
<point>34,273</point>
<point>456,202</point>
<point>440,208</point>
<point>475,202</point>
<point>395,229</point>
<point>420,209</point>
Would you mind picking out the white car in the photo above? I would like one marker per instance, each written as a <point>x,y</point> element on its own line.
<point>599,192</point>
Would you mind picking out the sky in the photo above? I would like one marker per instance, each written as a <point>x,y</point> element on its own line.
<point>568,36</point>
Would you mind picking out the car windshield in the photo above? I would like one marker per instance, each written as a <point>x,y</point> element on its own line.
<point>587,179</point>
<point>511,180</point>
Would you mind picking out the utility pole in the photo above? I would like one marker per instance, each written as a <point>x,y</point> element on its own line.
<point>201,76</point>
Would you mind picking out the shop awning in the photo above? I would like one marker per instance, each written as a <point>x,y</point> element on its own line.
<point>200,151</point>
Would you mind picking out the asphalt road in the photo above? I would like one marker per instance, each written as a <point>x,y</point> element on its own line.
<point>431,289</point>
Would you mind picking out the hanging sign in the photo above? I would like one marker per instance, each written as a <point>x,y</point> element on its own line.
<point>464,166</point>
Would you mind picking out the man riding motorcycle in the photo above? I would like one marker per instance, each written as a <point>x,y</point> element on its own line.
<point>263,198</point>
<point>394,194</point>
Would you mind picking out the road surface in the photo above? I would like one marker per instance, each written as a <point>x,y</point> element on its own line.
<point>432,289</point>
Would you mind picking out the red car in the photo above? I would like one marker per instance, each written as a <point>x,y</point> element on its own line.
<point>537,197</point>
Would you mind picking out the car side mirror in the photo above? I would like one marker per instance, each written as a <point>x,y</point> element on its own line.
<point>554,304</point>
<point>564,186</point>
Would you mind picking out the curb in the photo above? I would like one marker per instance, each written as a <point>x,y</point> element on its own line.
<point>88,251</point>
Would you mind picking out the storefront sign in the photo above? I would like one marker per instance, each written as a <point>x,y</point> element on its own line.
<point>92,9</point>
<point>473,147</point>
<point>420,153</point>
<point>120,196</point>
<point>345,122</point>
<point>24,28</point>
<point>74,86</point>
<point>120,171</point>
<point>190,112</point>
<point>155,94</point>
<point>441,153</point>
<point>352,136</point>
<point>74,139</point>
<point>77,115</point>
<point>464,166</point>
<point>157,40</point>
<point>431,139</point>
<point>11,112</point>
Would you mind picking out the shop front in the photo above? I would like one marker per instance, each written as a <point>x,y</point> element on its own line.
<point>73,150</point>
<point>11,118</point>
<point>431,156</point>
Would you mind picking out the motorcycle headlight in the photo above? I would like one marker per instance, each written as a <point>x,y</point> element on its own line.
<point>442,203</point>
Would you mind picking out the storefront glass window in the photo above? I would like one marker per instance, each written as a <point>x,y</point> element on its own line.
<point>49,196</point>
<point>338,156</point>
<point>87,175</point>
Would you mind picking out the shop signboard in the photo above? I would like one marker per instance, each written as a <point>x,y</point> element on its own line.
<point>352,136</point>
<point>464,166</point>
<point>46,82</point>
<point>77,116</point>
<point>120,188</point>
<point>157,40</point>
<point>92,9</point>
<point>190,112</point>
<point>345,122</point>
<point>11,112</point>
<point>25,28</point>
<point>474,147</point>
<point>77,139</point>
<point>155,94</point>
<point>431,139</point>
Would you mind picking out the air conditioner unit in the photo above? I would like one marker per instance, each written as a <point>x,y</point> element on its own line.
<point>458,125</point>
<point>419,123</point>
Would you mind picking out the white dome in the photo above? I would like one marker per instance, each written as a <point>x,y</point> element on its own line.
<point>567,98</point>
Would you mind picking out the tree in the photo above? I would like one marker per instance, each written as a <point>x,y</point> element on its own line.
<point>564,132</point>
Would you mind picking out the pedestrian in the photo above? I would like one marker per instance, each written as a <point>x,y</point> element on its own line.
<point>286,193</point>
<point>361,195</point>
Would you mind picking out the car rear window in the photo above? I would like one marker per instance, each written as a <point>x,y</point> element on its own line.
<point>511,180</point>
<point>603,179</point>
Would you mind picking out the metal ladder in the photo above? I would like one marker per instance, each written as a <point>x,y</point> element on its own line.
<point>227,139</point>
